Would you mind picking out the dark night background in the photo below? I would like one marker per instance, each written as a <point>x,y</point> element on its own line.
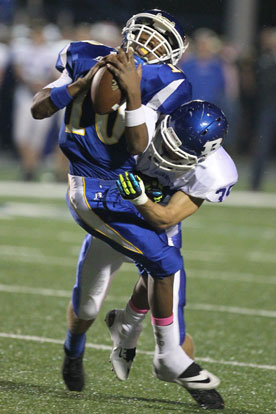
<point>192,14</point>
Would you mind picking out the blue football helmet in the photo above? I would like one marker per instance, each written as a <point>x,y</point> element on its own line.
<point>187,136</point>
<point>163,31</point>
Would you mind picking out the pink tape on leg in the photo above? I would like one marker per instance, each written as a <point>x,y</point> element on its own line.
<point>162,321</point>
<point>133,307</point>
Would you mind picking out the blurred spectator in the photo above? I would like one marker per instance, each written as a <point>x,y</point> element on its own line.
<point>247,118</point>
<point>33,62</point>
<point>6,88</point>
<point>231,102</point>
<point>204,67</point>
<point>4,59</point>
<point>106,32</point>
<point>210,67</point>
<point>266,94</point>
<point>81,31</point>
<point>7,10</point>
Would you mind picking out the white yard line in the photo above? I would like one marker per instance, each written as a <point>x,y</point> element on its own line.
<point>232,309</point>
<point>35,291</point>
<point>35,255</point>
<point>11,209</point>
<point>33,190</point>
<point>108,348</point>
<point>195,306</point>
<point>14,209</point>
<point>58,191</point>
<point>261,257</point>
<point>194,273</point>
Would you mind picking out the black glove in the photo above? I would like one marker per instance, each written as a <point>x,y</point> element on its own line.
<point>154,190</point>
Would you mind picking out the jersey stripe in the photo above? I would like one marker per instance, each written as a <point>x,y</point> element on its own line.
<point>159,98</point>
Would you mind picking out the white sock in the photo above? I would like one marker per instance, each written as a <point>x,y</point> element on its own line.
<point>131,326</point>
<point>170,360</point>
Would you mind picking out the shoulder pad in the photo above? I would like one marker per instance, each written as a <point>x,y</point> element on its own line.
<point>164,87</point>
<point>87,49</point>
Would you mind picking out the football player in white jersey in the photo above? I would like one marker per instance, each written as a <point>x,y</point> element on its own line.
<point>187,159</point>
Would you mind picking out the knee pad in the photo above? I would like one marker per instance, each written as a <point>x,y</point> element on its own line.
<point>89,310</point>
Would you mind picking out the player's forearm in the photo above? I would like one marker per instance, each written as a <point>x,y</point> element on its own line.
<point>49,100</point>
<point>137,139</point>
<point>42,106</point>
<point>160,217</point>
<point>178,209</point>
<point>133,98</point>
<point>136,130</point>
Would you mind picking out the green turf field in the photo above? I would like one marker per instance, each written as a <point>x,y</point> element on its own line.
<point>229,253</point>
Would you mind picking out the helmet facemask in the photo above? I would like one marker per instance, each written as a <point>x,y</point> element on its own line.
<point>166,151</point>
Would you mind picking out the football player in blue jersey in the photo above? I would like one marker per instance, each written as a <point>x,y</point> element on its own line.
<point>186,157</point>
<point>96,144</point>
<point>98,148</point>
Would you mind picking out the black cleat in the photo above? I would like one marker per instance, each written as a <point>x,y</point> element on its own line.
<point>73,372</point>
<point>207,399</point>
<point>201,386</point>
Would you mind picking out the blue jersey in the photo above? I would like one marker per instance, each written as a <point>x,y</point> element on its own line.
<point>95,144</point>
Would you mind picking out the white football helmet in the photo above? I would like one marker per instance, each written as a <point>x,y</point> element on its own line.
<point>163,31</point>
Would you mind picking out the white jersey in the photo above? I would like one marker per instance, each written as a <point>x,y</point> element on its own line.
<point>211,180</point>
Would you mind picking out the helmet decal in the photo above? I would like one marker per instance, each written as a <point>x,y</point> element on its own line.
<point>211,146</point>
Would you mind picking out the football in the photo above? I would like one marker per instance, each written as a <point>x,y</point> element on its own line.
<point>106,95</point>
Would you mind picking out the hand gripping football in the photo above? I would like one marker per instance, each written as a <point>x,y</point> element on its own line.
<point>106,95</point>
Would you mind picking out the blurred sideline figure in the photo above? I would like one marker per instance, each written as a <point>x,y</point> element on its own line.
<point>33,61</point>
<point>4,60</point>
<point>107,33</point>
<point>4,57</point>
<point>246,123</point>
<point>211,69</point>
<point>231,103</point>
<point>266,106</point>
<point>204,67</point>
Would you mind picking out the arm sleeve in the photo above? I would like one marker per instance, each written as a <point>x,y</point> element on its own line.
<point>213,179</point>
